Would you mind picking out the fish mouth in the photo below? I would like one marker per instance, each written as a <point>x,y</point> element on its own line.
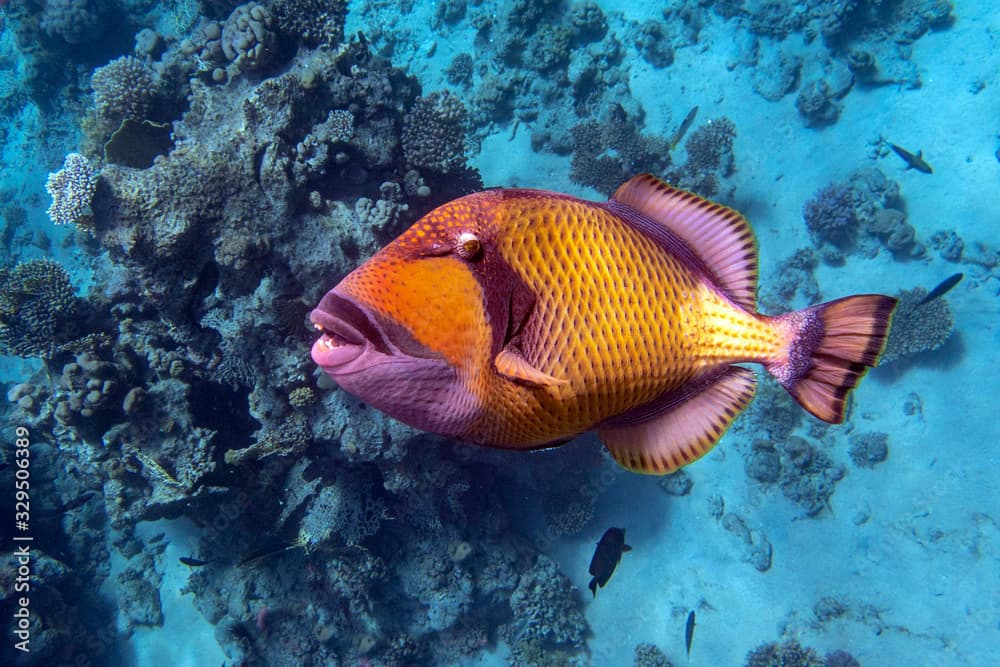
<point>347,332</point>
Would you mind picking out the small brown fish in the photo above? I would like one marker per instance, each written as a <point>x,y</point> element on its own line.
<point>912,161</point>
<point>606,557</point>
<point>684,127</point>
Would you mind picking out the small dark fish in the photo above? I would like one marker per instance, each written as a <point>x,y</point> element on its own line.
<point>73,504</point>
<point>689,633</point>
<point>942,289</point>
<point>193,562</point>
<point>606,557</point>
<point>685,126</point>
<point>912,161</point>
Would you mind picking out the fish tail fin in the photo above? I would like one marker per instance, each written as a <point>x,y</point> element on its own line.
<point>830,348</point>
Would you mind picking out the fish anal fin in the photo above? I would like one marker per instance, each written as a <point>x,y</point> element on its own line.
<point>720,238</point>
<point>686,429</point>
<point>513,366</point>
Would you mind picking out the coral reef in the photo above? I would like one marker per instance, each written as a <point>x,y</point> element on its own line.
<point>787,654</point>
<point>917,327</point>
<point>248,40</point>
<point>125,88</point>
<point>72,189</point>
<point>546,609</point>
<point>710,159</point>
<point>830,215</point>
<point>649,655</point>
<point>75,21</point>
<point>249,155</point>
<point>869,449</point>
<point>312,22</point>
<point>38,306</point>
<point>862,214</point>
<point>756,547</point>
<point>433,134</point>
<point>818,103</point>
<point>805,473</point>
<point>654,44</point>
<point>676,484</point>
<point>793,654</point>
<point>607,153</point>
<point>776,74</point>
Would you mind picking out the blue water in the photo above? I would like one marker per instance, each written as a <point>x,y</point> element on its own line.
<point>180,183</point>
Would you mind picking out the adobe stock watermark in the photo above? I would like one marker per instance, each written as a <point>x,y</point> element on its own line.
<point>22,556</point>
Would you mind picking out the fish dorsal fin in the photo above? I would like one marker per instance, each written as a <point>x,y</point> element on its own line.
<point>515,367</point>
<point>681,427</point>
<point>720,239</point>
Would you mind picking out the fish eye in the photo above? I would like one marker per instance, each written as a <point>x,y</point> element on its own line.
<point>468,245</point>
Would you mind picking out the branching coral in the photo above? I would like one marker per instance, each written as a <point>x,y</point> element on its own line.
<point>37,306</point>
<point>434,133</point>
<point>124,88</point>
<point>830,216</point>
<point>650,655</point>
<point>861,214</point>
<point>72,189</point>
<point>709,158</point>
<point>869,449</point>
<point>313,22</point>
<point>606,154</point>
<point>789,654</point>
<point>346,511</point>
<point>545,609</point>
<point>917,327</point>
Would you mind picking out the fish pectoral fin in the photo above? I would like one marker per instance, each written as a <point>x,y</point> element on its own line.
<point>682,426</point>
<point>515,367</point>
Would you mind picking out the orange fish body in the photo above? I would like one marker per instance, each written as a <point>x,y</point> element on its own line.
<point>523,318</point>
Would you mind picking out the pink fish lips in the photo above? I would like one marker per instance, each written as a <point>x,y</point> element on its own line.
<point>347,334</point>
